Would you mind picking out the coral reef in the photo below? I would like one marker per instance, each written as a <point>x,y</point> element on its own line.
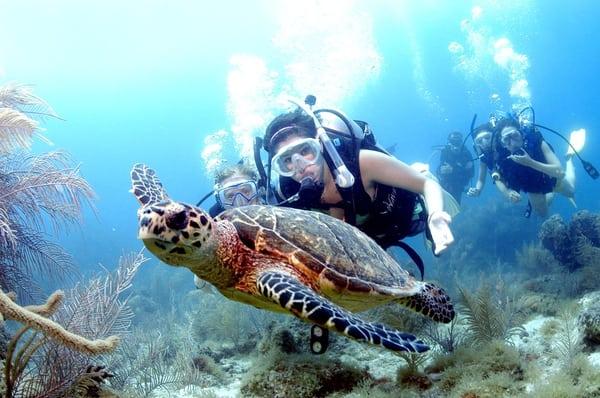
<point>447,337</point>
<point>279,338</point>
<point>589,319</point>
<point>492,369</point>
<point>59,366</point>
<point>489,318</point>
<point>581,380</point>
<point>531,303</point>
<point>150,362</point>
<point>535,259</point>
<point>575,244</point>
<point>554,235</point>
<point>36,317</point>
<point>300,375</point>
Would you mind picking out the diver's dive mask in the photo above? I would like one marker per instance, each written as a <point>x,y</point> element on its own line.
<point>455,141</point>
<point>343,177</point>
<point>296,156</point>
<point>510,135</point>
<point>483,141</point>
<point>237,193</point>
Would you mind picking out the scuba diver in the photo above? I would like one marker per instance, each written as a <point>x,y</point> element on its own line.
<point>482,142</point>
<point>329,162</point>
<point>532,167</point>
<point>456,166</point>
<point>235,185</point>
<point>519,159</point>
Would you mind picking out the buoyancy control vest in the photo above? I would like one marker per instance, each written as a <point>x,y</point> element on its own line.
<point>524,178</point>
<point>389,216</point>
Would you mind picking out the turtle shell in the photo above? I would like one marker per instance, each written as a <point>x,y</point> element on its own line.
<point>320,243</point>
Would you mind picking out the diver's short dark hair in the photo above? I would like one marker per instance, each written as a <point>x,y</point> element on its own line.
<point>507,122</point>
<point>483,127</point>
<point>502,124</point>
<point>304,124</point>
<point>455,136</point>
<point>231,170</point>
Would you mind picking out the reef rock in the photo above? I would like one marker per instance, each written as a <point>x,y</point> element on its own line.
<point>589,318</point>
<point>573,244</point>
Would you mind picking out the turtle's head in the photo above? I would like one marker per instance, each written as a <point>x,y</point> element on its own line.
<point>177,233</point>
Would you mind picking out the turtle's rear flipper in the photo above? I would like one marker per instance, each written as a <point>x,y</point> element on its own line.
<point>307,305</point>
<point>433,302</point>
<point>146,186</point>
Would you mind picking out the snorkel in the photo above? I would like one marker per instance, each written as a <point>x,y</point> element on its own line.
<point>343,177</point>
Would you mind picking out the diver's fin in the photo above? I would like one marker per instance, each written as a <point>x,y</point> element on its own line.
<point>572,201</point>
<point>306,304</point>
<point>451,206</point>
<point>576,141</point>
<point>423,168</point>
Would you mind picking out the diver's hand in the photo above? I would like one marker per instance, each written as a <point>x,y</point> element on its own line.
<point>441,235</point>
<point>473,192</point>
<point>522,158</point>
<point>513,196</point>
<point>446,169</point>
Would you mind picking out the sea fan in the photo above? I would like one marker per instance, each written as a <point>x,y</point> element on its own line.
<point>488,319</point>
<point>34,190</point>
<point>16,130</point>
<point>21,98</point>
<point>94,309</point>
<point>19,111</point>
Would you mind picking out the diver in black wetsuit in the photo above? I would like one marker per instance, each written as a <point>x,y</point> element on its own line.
<point>388,199</point>
<point>520,160</point>
<point>236,186</point>
<point>456,166</point>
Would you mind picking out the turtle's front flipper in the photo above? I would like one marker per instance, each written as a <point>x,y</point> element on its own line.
<point>431,301</point>
<point>308,305</point>
<point>146,186</point>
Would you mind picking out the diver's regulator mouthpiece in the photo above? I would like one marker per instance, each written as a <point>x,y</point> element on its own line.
<point>343,176</point>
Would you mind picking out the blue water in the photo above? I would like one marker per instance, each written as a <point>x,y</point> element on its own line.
<point>147,82</point>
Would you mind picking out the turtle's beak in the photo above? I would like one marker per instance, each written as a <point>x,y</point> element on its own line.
<point>151,223</point>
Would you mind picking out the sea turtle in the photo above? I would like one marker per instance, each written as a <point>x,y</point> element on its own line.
<point>314,266</point>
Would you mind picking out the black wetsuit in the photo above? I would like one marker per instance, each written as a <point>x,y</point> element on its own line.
<point>523,178</point>
<point>462,171</point>
<point>392,215</point>
<point>215,210</point>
